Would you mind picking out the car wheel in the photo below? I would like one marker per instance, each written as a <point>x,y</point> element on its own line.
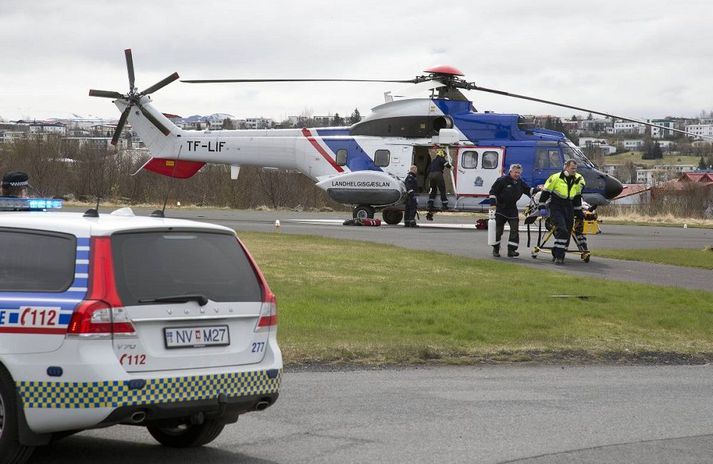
<point>186,435</point>
<point>363,212</point>
<point>392,216</point>
<point>11,451</point>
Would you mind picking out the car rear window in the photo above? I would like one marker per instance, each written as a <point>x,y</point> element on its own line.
<point>149,265</point>
<point>36,261</point>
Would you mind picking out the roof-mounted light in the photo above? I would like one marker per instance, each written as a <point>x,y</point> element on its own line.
<point>29,204</point>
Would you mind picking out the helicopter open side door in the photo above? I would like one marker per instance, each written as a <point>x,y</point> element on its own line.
<point>477,168</point>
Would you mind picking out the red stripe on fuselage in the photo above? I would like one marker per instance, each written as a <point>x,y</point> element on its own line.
<point>321,150</point>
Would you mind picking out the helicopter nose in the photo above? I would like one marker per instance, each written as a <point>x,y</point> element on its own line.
<point>612,187</point>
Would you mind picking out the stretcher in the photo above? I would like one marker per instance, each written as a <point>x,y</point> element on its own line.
<point>546,230</point>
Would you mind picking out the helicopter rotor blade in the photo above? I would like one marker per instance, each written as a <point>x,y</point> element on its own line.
<point>120,125</point>
<point>564,105</point>
<point>159,125</point>
<point>226,81</point>
<point>130,68</point>
<point>160,84</point>
<point>105,94</point>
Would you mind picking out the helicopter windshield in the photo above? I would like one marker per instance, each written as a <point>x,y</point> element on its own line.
<point>572,151</point>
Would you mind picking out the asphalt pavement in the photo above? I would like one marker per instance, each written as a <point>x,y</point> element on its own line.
<point>474,414</point>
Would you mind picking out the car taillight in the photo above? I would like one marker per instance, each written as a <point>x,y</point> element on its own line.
<point>98,317</point>
<point>268,312</point>
<point>101,312</point>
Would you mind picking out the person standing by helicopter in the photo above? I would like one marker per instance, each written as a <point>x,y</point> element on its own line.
<point>411,184</point>
<point>504,195</point>
<point>435,179</point>
<point>565,190</point>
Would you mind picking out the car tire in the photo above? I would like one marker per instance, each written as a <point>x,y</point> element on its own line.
<point>11,450</point>
<point>186,435</point>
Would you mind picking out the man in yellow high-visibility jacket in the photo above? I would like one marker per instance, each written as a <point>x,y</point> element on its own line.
<point>564,190</point>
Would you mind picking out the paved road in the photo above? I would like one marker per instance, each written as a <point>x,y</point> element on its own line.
<point>491,414</point>
<point>472,243</point>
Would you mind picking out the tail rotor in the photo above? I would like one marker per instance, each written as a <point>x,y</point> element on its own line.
<point>133,98</point>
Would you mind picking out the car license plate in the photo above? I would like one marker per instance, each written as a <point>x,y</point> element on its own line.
<point>196,337</point>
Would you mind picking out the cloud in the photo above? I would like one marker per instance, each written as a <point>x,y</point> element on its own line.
<point>638,58</point>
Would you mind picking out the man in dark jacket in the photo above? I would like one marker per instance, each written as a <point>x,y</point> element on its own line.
<point>411,184</point>
<point>435,179</point>
<point>504,194</point>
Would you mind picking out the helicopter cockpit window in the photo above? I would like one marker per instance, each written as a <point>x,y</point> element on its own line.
<point>573,152</point>
<point>548,158</point>
<point>381,158</point>
<point>490,160</point>
<point>342,157</point>
<point>469,160</point>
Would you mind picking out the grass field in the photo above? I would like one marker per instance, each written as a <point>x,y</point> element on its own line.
<point>676,256</point>
<point>357,302</point>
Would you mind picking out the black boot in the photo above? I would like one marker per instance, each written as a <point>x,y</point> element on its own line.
<point>513,254</point>
<point>496,251</point>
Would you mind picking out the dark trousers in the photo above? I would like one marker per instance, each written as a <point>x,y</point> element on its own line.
<point>437,184</point>
<point>562,217</point>
<point>410,209</point>
<point>514,239</point>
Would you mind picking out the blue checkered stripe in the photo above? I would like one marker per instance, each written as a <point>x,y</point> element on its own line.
<point>114,394</point>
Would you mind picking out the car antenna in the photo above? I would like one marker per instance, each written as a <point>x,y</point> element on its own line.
<point>93,212</point>
<point>159,213</point>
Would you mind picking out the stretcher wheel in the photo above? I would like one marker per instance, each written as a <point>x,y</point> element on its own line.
<point>534,255</point>
<point>585,257</point>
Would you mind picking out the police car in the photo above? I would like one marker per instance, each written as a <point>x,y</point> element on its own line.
<point>119,319</point>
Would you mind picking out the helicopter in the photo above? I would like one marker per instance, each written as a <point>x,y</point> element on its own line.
<point>364,165</point>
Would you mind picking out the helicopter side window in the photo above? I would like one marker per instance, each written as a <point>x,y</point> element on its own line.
<point>342,156</point>
<point>548,158</point>
<point>381,158</point>
<point>469,160</point>
<point>490,160</point>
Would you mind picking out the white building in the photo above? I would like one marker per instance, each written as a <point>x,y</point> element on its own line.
<point>259,123</point>
<point>700,129</point>
<point>632,144</point>
<point>659,133</point>
<point>629,128</point>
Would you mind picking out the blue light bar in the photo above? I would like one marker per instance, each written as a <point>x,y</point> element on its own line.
<point>29,204</point>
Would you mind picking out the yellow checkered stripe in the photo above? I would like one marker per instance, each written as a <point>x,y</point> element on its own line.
<point>114,394</point>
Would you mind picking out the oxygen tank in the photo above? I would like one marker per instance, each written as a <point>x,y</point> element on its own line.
<point>491,226</point>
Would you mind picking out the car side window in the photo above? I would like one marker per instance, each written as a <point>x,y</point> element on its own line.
<point>490,160</point>
<point>469,160</point>
<point>382,158</point>
<point>342,156</point>
<point>35,261</point>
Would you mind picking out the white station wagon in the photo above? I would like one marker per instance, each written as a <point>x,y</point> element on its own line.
<point>118,319</point>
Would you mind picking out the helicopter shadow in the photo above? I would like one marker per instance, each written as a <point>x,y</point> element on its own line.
<point>79,450</point>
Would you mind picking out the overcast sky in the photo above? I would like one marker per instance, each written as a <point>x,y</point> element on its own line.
<point>648,58</point>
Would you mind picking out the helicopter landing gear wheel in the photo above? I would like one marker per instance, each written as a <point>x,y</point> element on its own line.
<point>363,212</point>
<point>392,216</point>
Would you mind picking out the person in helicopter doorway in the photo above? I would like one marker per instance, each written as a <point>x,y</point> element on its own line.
<point>14,184</point>
<point>411,184</point>
<point>565,190</point>
<point>504,195</point>
<point>435,179</point>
